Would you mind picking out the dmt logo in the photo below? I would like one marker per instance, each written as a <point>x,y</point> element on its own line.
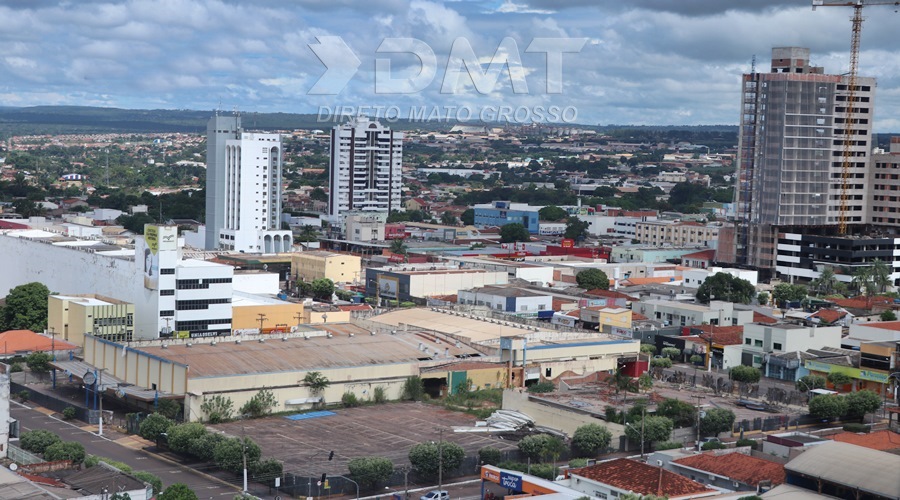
<point>341,64</point>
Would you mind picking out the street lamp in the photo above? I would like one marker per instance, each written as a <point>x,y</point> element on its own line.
<point>324,476</point>
<point>628,424</point>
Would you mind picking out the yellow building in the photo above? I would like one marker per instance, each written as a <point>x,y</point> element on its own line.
<point>338,267</point>
<point>278,315</point>
<point>439,380</point>
<point>71,316</point>
<point>611,318</point>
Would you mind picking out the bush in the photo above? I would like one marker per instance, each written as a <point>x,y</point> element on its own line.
<point>713,445</point>
<point>230,451</point>
<point>178,491</point>
<point>265,471</point>
<point>65,450</point>
<point>543,471</point>
<point>217,409</point>
<point>379,395</point>
<point>38,440</point>
<point>661,363</point>
<point>576,463</point>
<point>540,446</point>
<point>489,456</point>
<point>542,387</point>
<point>154,425</point>
<point>69,413</point>
<point>23,395</point>
<point>15,367</point>
<point>349,400</point>
<point>93,460</point>
<point>591,439</point>
<point>667,445</point>
<point>857,428</point>
<point>204,447</point>
<point>747,442</point>
<point>260,404</point>
<point>183,436</point>
<point>370,471</point>
<point>413,389</point>
<point>151,479</point>
<point>169,408</point>
<point>424,457</point>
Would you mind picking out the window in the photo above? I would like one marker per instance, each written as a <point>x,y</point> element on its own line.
<point>748,341</point>
<point>166,292</point>
<point>167,270</point>
<point>166,313</point>
<point>757,343</point>
<point>776,346</point>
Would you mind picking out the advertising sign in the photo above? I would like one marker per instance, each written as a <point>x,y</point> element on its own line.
<point>151,257</point>
<point>511,481</point>
<point>387,286</point>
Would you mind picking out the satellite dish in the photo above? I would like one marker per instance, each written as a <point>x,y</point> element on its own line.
<point>13,467</point>
<point>120,393</point>
<point>89,378</point>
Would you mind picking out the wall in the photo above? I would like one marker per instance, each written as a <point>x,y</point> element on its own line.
<point>562,419</point>
<point>4,409</point>
<point>256,282</point>
<point>138,368</point>
<point>444,283</point>
<point>247,317</point>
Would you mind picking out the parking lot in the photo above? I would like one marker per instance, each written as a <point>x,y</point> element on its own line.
<point>387,430</point>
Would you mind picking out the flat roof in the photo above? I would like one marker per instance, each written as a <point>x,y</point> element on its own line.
<point>198,263</point>
<point>506,291</point>
<point>88,301</point>
<point>473,329</point>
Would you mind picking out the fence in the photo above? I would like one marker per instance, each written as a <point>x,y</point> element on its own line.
<point>50,402</point>
<point>22,457</point>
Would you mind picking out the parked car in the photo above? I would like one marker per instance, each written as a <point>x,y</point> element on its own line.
<point>435,495</point>
<point>711,440</point>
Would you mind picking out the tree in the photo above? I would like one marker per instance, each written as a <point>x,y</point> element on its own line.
<point>229,454</point>
<point>217,408</point>
<point>825,283</point>
<point>468,217</point>
<point>541,446</point>
<point>182,436</point>
<point>827,406</point>
<point>888,316</point>
<point>697,359</point>
<point>169,408</point>
<point>448,219</point>
<point>26,308</point>
<point>881,275</point>
<point>413,389</point>
<point>716,421</point>
<point>318,194</point>
<point>65,450</point>
<point>786,292</point>
<point>260,404</point>
<point>150,479</point>
<point>489,456</point>
<point>28,208</point>
<point>672,353</point>
<point>661,363</point>
<point>38,440</point>
<point>591,439</point>
<point>204,447</point>
<point>424,457</point>
<point>861,284</point>
<point>38,362</point>
<point>648,349</point>
<point>178,491</point>
<point>745,374</point>
<point>810,382</point>
<point>322,289</point>
<point>370,471</point>
<point>682,413</point>
<point>398,246</point>
<point>576,229</point>
<point>316,382</point>
<point>838,379</point>
<point>723,286</point>
<point>655,429</point>
<point>510,233</point>
<point>762,298</point>
<point>552,213</point>
<point>154,425</point>
<point>121,495</point>
<point>645,381</point>
<point>591,279</point>
<point>861,402</point>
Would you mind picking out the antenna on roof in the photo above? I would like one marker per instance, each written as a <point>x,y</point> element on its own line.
<point>753,65</point>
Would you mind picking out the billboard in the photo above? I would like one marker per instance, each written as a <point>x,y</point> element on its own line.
<point>387,286</point>
<point>158,238</point>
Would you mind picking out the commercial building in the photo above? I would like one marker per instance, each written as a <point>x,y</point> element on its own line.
<point>262,314</point>
<point>844,470</point>
<point>886,186</point>
<point>647,254</point>
<point>501,213</point>
<point>673,313</point>
<point>693,278</point>
<point>71,317</point>
<point>365,172</point>
<point>761,340</point>
<point>243,189</point>
<point>676,233</point>
<point>318,264</point>
<point>791,145</point>
<point>362,227</point>
<point>418,281</point>
<point>802,257</point>
<point>515,301</point>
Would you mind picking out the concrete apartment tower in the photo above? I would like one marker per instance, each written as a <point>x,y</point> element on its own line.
<point>790,150</point>
<point>365,172</point>
<point>243,182</point>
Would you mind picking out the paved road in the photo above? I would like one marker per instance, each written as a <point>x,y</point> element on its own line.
<point>124,449</point>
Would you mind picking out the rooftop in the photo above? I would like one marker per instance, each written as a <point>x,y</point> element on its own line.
<point>855,467</point>
<point>630,475</point>
<point>25,341</point>
<point>736,466</point>
<point>876,440</point>
<point>474,329</point>
<point>501,291</point>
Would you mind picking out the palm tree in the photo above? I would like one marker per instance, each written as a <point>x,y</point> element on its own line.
<point>881,275</point>
<point>862,276</point>
<point>316,382</point>
<point>826,282</point>
<point>399,247</point>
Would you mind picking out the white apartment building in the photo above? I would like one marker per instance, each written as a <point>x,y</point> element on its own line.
<point>365,172</point>
<point>243,208</point>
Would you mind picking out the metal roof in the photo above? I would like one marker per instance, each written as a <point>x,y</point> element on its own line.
<point>855,467</point>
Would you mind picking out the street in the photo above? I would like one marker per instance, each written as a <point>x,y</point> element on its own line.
<point>124,449</point>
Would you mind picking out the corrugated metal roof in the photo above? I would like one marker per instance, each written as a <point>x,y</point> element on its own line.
<point>853,466</point>
<point>294,354</point>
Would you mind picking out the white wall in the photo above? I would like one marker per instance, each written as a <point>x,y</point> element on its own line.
<point>258,283</point>
<point>541,275</point>
<point>4,411</point>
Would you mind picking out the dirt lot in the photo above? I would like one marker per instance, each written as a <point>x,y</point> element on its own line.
<point>388,430</point>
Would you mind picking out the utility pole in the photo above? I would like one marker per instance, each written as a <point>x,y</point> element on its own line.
<point>699,398</point>
<point>441,461</point>
<point>643,417</point>
<point>52,332</point>
<point>262,318</point>
<point>244,454</point>
<point>100,390</point>
<point>299,318</point>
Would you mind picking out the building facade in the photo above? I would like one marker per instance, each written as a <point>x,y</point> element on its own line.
<point>71,317</point>
<point>244,189</point>
<point>365,172</point>
<point>791,143</point>
<point>510,300</point>
<point>413,281</point>
<point>763,339</point>
<point>501,213</point>
<point>338,267</point>
<point>677,234</point>
<point>886,186</point>
<point>802,257</point>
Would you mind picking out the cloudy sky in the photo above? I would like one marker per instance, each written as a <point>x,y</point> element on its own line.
<point>643,61</point>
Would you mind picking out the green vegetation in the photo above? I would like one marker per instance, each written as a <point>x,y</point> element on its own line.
<point>514,232</point>
<point>591,279</point>
<point>39,362</point>
<point>541,387</point>
<point>654,429</point>
<point>541,447</point>
<point>827,406</point>
<point>838,379</point>
<point>489,456</point>
<point>370,471</point>
<point>682,413</point>
<point>229,454</point>
<point>810,382</point>
<point>65,450</point>
<point>716,421</point>
<point>424,457</point>
<point>37,441</point>
<point>786,292</point>
<point>178,491</point>
<point>69,412</point>
<point>316,382</point>
<point>591,439</point>
<point>552,213</point>
<point>722,286</point>
<point>349,400</point>
<point>752,443</point>
<point>413,389</point>
<point>672,353</point>
<point>25,308</point>
<point>260,404</point>
<point>379,395</point>
<point>661,363</point>
<point>860,403</point>
<point>154,425</point>
<point>217,409</point>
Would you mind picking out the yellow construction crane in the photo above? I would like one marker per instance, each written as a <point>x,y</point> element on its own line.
<point>849,135</point>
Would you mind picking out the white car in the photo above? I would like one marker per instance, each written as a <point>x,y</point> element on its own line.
<point>435,495</point>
